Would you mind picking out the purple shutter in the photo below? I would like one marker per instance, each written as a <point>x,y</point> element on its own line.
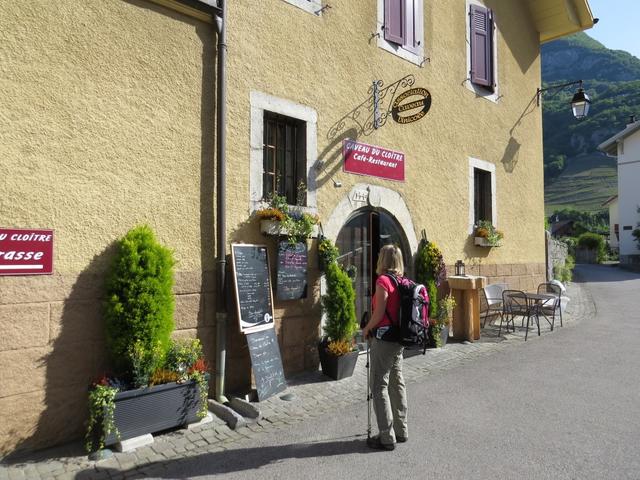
<point>395,21</point>
<point>481,46</point>
<point>414,33</point>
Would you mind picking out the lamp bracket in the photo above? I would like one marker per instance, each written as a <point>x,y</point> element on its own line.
<point>557,88</point>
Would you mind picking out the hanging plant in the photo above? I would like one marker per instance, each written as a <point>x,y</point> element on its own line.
<point>102,408</point>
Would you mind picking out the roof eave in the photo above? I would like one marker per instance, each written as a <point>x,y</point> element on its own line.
<point>558,18</point>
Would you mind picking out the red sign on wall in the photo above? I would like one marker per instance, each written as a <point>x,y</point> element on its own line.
<point>26,252</point>
<point>364,159</point>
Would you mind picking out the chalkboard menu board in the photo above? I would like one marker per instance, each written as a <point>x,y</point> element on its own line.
<point>266,363</point>
<point>252,286</point>
<point>292,271</point>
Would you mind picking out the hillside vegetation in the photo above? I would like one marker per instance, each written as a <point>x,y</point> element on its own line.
<point>585,184</point>
<point>612,81</point>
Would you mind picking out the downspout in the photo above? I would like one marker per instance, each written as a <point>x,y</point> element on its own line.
<point>221,242</point>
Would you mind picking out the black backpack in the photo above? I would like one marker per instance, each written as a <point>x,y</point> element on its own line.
<point>412,332</point>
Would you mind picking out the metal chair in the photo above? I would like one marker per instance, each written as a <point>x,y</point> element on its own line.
<point>515,304</point>
<point>550,307</point>
<point>492,300</point>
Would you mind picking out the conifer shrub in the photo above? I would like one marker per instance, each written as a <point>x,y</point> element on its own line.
<point>139,307</point>
<point>339,306</point>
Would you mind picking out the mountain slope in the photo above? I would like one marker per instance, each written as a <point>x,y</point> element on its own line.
<point>612,80</point>
<point>586,182</point>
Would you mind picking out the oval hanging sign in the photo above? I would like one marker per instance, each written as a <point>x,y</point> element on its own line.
<point>414,109</point>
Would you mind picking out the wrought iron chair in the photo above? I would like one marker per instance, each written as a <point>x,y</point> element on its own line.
<point>492,300</point>
<point>516,304</point>
<point>549,308</point>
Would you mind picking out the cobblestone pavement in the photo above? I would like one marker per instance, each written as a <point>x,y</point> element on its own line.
<point>313,393</point>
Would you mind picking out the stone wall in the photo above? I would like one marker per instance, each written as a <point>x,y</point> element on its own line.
<point>557,252</point>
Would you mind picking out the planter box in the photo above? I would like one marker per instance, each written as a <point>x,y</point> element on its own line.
<point>483,242</point>
<point>337,367</point>
<point>444,336</point>
<point>273,227</point>
<point>150,410</point>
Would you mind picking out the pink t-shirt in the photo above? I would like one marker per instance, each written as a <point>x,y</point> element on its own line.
<point>393,301</point>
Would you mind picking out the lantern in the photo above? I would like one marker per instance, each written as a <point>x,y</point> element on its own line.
<point>460,269</point>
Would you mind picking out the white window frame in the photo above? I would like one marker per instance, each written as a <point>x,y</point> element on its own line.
<point>475,163</point>
<point>310,6</point>
<point>416,56</point>
<point>480,90</point>
<point>261,103</point>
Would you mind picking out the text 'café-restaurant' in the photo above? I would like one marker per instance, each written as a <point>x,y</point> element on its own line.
<point>188,116</point>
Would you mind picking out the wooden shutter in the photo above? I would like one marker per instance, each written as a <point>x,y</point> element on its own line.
<point>395,21</point>
<point>414,23</point>
<point>481,29</point>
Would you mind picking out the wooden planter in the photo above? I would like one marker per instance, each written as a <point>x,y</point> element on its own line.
<point>337,367</point>
<point>150,410</point>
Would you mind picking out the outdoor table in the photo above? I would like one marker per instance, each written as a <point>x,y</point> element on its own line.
<point>466,315</point>
<point>535,302</point>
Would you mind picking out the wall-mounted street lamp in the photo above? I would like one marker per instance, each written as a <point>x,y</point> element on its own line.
<point>579,103</point>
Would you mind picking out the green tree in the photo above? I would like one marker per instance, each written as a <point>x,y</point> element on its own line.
<point>140,303</point>
<point>339,305</point>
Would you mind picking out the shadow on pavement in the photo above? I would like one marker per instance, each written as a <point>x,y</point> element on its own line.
<point>231,460</point>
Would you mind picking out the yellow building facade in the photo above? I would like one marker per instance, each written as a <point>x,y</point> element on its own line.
<point>108,120</point>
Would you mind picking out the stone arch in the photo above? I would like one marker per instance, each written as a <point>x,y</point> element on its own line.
<point>374,196</point>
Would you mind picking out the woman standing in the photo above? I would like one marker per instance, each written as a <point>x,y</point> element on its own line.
<point>388,388</point>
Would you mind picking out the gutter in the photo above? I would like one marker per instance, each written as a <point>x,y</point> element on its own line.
<point>221,240</point>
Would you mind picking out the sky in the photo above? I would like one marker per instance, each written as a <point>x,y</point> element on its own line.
<point>618,25</point>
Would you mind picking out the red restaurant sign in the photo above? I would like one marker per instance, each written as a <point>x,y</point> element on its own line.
<point>26,252</point>
<point>364,159</point>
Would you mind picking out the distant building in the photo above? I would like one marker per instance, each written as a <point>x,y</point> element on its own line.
<point>625,145</point>
<point>562,228</point>
<point>614,225</point>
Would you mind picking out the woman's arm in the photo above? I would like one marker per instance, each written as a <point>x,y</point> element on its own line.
<point>381,296</point>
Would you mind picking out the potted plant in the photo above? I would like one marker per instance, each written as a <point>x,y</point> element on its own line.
<point>337,350</point>
<point>278,218</point>
<point>430,271</point>
<point>327,253</point>
<point>157,383</point>
<point>486,235</point>
<point>439,329</point>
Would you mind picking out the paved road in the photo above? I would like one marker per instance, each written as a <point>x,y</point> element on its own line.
<point>566,405</point>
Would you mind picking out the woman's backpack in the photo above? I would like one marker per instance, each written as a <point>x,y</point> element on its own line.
<point>412,331</point>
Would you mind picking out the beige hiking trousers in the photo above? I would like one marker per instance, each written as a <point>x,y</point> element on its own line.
<point>388,390</point>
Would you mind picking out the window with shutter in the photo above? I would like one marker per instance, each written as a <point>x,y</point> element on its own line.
<point>402,25</point>
<point>481,29</point>
<point>482,51</point>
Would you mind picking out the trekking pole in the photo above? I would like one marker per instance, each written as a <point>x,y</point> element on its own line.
<point>363,322</point>
<point>368,394</point>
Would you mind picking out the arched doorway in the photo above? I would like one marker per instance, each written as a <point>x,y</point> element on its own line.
<point>359,242</point>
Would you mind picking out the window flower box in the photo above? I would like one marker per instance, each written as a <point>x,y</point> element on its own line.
<point>486,235</point>
<point>274,227</point>
<point>484,242</point>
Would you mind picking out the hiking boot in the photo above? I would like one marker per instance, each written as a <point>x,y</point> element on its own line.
<point>376,444</point>
<point>401,439</point>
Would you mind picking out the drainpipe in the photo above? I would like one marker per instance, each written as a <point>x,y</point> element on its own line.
<point>221,241</point>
